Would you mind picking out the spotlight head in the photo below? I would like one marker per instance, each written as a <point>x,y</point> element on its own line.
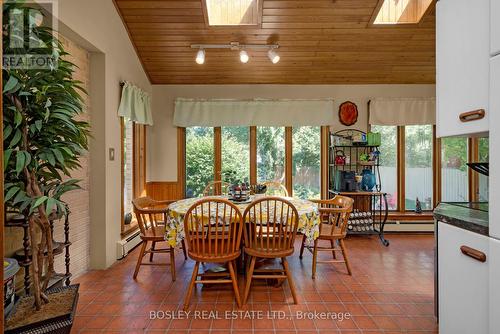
<point>244,58</point>
<point>200,57</point>
<point>273,56</point>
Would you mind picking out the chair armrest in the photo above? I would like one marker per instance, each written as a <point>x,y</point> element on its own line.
<point>155,211</point>
<point>319,201</point>
<point>331,210</point>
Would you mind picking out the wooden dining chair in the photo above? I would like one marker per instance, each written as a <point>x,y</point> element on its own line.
<point>216,188</point>
<point>334,214</point>
<point>213,229</point>
<point>271,225</point>
<point>276,189</point>
<point>151,217</point>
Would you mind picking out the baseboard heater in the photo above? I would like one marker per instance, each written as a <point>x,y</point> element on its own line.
<point>124,246</point>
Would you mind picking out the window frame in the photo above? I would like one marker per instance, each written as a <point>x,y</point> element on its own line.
<point>377,9</point>
<point>399,214</point>
<point>138,170</point>
<point>473,178</point>
<point>260,10</point>
<point>253,157</point>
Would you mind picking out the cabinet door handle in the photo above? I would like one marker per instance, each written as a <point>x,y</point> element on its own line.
<point>473,253</point>
<point>472,115</point>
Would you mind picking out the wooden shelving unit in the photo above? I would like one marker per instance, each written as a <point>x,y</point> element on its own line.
<point>23,255</point>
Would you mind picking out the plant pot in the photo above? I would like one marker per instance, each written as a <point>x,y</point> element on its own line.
<point>10,269</point>
<point>60,324</point>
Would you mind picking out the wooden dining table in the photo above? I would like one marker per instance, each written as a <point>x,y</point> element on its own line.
<point>309,218</point>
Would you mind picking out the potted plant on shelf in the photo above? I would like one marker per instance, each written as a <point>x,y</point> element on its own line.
<point>43,141</point>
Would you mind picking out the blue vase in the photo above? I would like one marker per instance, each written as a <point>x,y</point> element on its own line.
<point>368,182</point>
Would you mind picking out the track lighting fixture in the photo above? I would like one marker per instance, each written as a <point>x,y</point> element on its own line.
<point>273,56</point>
<point>235,46</point>
<point>244,58</point>
<point>200,57</point>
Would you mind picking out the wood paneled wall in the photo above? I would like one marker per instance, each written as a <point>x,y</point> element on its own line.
<point>321,42</point>
<point>164,190</point>
<point>171,190</point>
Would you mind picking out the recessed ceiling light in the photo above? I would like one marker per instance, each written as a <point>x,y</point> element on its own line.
<point>244,58</point>
<point>273,56</point>
<point>200,57</point>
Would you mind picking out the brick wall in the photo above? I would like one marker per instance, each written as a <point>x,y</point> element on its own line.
<point>129,165</point>
<point>78,200</point>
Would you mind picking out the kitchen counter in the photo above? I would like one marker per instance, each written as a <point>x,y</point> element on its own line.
<point>461,216</point>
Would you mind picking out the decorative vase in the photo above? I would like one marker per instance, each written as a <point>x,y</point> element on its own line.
<point>368,181</point>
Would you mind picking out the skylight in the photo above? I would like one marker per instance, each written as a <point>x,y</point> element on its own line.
<point>232,12</point>
<point>401,11</point>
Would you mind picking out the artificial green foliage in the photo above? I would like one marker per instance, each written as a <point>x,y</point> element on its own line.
<point>42,134</point>
<point>43,140</point>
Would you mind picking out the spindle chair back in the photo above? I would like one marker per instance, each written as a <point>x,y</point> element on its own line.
<point>151,217</point>
<point>275,188</point>
<point>213,230</point>
<point>334,214</point>
<point>271,225</point>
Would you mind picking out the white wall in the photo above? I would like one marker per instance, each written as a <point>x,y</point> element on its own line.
<point>162,137</point>
<point>96,25</point>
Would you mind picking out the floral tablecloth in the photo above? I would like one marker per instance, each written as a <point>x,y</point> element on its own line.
<point>309,220</point>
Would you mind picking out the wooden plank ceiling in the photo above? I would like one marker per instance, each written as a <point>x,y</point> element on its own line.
<point>321,42</point>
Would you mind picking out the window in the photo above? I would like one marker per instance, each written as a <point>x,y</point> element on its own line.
<point>306,162</point>
<point>232,13</point>
<point>483,179</point>
<point>401,11</point>
<point>199,159</point>
<point>418,168</point>
<point>422,179</point>
<point>127,165</point>
<point>235,154</point>
<point>133,176</point>
<point>454,171</point>
<point>271,154</point>
<point>389,162</point>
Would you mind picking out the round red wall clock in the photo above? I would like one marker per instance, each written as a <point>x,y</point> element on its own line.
<point>348,113</point>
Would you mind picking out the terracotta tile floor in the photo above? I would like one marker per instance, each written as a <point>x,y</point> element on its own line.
<point>391,291</point>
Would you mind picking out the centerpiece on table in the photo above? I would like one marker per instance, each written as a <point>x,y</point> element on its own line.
<point>239,192</point>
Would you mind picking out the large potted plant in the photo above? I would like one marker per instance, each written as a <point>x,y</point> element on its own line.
<point>43,141</point>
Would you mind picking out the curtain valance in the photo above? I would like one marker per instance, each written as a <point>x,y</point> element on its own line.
<point>257,112</point>
<point>402,111</point>
<point>135,105</point>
